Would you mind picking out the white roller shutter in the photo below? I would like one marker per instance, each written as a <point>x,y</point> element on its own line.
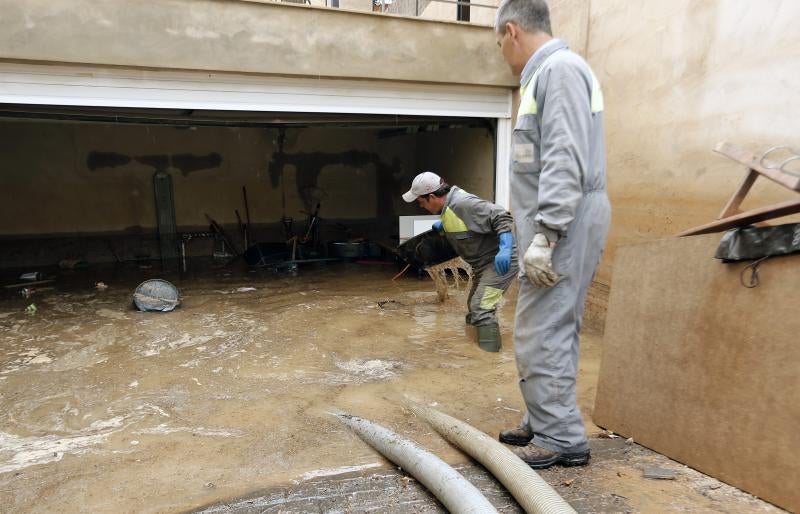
<point>111,87</point>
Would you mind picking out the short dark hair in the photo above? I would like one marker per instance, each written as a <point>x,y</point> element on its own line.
<point>444,188</point>
<point>530,15</point>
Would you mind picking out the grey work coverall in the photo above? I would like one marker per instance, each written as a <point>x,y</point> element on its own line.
<point>558,187</point>
<point>471,226</point>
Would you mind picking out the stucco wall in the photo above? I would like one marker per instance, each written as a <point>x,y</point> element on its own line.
<point>241,36</point>
<point>679,77</point>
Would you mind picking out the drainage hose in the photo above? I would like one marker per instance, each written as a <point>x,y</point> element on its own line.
<point>528,488</point>
<point>453,490</point>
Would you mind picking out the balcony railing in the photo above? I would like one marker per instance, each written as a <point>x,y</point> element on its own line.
<point>442,10</point>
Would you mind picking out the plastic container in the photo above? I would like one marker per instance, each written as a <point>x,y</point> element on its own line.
<point>156,295</point>
<point>347,249</point>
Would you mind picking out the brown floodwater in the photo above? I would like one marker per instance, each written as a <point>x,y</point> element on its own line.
<point>107,409</point>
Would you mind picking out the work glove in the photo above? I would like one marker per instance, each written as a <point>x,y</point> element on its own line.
<point>437,226</point>
<point>502,261</point>
<point>538,262</point>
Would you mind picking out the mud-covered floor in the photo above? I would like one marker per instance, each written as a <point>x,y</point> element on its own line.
<point>223,404</point>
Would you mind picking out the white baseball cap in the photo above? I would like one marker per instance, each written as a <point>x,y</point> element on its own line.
<point>424,184</point>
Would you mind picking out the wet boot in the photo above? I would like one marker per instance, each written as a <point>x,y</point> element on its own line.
<point>519,436</point>
<point>489,338</point>
<point>541,458</point>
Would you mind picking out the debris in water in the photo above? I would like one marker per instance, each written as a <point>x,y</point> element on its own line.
<point>659,473</point>
<point>455,266</point>
<point>100,286</point>
<point>383,303</point>
<point>31,309</point>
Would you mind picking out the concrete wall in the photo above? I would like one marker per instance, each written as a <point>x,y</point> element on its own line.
<point>679,77</point>
<point>462,158</point>
<point>89,177</point>
<point>243,36</point>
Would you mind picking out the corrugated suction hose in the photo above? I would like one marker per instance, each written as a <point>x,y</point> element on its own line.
<point>528,488</point>
<point>454,491</point>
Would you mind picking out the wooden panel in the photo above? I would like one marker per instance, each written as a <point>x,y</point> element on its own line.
<point>769,212</point>
<point>703,370</point>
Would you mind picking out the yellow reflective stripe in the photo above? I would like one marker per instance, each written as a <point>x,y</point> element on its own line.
<point>491,297</point>
<point>527,103</point>
<point>597,95</point>
<point>451,222</point>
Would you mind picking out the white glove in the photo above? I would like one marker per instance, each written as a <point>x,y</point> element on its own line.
<point>538,261</point>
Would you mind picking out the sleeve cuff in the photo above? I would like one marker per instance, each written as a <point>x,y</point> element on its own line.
<point>552,235</point>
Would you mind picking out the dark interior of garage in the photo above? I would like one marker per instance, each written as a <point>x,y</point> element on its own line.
<point>180,191</point>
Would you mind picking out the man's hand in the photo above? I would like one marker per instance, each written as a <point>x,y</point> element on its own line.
<point>437,226</point>
<point>502,261</point>
<point>538,261</point>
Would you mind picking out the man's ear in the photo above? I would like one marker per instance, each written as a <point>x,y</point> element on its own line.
<point>512,30</point>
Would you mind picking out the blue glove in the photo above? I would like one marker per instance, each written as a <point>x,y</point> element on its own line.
<point>502,261</point>
<point>437,226</point>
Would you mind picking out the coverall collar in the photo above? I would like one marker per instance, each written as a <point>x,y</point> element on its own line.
<point>449,198</point>
<point>536,60</point>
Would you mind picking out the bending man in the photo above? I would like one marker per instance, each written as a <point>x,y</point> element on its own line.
<point>481,233</point>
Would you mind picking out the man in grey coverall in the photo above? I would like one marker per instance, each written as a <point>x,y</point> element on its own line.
<point>481,233</point>
<point>558,187</point>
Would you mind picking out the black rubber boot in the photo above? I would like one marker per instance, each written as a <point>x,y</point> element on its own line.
<point>489,338</point>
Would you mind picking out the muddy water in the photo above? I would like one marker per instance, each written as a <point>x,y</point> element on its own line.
<point>105,409</point>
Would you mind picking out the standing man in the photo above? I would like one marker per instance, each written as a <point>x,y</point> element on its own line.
<point>481,233</point>
<point>558,187</point>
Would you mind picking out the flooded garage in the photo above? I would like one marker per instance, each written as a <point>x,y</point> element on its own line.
<point>278,239</point>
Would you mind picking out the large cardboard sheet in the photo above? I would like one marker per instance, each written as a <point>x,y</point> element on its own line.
<point>704,370</point>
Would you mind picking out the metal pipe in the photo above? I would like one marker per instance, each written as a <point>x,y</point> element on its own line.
<point>454,491</point>
<point>528,488</point>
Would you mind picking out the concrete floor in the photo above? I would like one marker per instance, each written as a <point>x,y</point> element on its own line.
<point>223,404</point>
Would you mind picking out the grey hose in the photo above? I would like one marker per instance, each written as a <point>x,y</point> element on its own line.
<point>528,488</point>
<point>453,490</point>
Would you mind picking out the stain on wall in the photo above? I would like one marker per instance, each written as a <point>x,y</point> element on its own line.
<point>99,160</point>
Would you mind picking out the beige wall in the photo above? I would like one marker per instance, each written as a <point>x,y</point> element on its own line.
<point>679,77</point>
<point>244,36</point>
